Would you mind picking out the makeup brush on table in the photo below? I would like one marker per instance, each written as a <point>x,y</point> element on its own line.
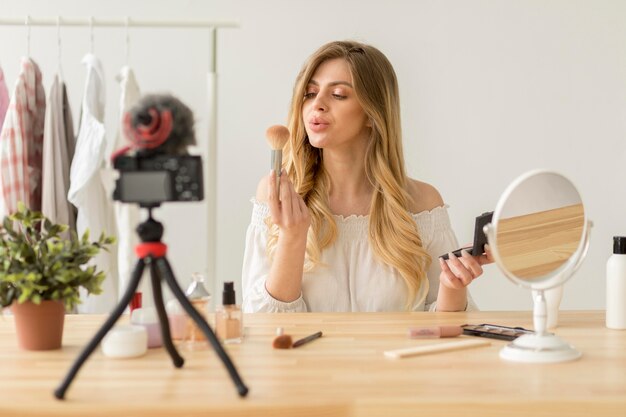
<point>284,341</point>
<point>277,137</point>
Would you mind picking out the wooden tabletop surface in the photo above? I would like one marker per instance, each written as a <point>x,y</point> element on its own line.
<point>344,373</point>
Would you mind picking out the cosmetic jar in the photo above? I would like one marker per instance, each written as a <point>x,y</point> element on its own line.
<point>125,341</point>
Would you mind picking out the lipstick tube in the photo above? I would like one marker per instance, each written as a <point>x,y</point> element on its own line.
<point>434,332</point>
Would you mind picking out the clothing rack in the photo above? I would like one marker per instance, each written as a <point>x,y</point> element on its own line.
<point>115,22</point>
<point>210,171</point>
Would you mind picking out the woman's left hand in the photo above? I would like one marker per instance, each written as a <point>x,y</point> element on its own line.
<point>459,272</point>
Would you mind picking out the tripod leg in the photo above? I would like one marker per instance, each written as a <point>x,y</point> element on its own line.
<point>95,341</point>
<point>166,272</point>
<point>164,322</point>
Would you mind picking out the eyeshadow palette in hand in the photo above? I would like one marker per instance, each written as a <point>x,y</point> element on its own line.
<point>480,239</point>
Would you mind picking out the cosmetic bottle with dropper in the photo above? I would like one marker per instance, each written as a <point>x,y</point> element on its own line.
<point>228,317</point>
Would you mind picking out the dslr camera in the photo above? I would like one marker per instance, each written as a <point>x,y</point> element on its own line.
<point>157,167</point>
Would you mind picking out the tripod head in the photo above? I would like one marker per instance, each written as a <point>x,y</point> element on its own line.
<point>150,230</point>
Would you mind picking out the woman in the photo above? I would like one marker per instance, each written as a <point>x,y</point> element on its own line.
<point>349,231</point>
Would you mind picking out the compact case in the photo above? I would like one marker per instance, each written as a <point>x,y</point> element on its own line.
<point>480,239</point>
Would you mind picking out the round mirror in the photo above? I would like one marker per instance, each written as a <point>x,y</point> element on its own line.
<point>539,225</point>
<point>538,238</point>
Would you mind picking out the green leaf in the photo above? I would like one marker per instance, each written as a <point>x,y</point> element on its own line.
<point>7,223</point>
<point>85,239</point>
<point>47,224</point>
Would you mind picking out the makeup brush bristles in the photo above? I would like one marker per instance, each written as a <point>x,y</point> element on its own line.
<point>283,341</point>
<point>277,136</point>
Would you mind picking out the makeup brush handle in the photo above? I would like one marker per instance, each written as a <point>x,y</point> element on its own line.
<point>277,166</point>
<point>434,348</point>
<point>307,339</point>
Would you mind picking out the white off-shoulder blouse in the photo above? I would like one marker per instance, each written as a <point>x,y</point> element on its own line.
<point>351,279</point>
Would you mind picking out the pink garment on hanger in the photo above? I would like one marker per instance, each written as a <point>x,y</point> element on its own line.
<point>21,141</point>
<point>4,99</point>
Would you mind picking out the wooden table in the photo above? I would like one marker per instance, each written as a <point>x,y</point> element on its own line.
<point>342,374</point>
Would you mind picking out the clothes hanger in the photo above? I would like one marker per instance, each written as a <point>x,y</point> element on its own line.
<point>127,42</point>
<point>91,37</point>
<point>59,66</point>
<point>27,24</point>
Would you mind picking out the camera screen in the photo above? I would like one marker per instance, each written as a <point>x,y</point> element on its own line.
<point>146,187</point>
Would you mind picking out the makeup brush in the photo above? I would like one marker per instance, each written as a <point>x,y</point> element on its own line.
<point>284,341</point>
<point>277,137</point>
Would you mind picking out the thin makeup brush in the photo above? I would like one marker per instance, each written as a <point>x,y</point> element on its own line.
<point>277,137</point>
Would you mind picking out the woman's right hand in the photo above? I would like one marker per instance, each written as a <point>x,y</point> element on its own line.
<point>288,210</point>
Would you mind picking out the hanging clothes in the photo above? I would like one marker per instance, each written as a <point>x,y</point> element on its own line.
<point>4,106</point>
<point>21,141</point>
<point>127,215</point>
<point>4,98</point>
<point>87,191</point>
<point>58,150</point>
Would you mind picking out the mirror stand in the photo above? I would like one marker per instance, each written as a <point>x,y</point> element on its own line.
<point>542,346</point>
<point>545,347</point>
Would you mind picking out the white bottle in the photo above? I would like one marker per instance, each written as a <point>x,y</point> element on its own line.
<point>616,285</point>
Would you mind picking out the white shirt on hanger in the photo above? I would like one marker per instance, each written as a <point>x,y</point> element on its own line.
<point>127,215</point>
<point>87,191</point>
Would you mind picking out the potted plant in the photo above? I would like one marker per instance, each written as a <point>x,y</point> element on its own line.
<point>41,272</point>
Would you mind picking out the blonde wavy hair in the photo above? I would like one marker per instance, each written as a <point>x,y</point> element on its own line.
<point>393,233</point>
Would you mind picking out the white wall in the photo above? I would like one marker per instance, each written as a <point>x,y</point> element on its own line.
<point>489,90</point>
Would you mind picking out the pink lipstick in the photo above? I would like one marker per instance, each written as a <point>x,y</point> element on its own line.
<point>434,332</point>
